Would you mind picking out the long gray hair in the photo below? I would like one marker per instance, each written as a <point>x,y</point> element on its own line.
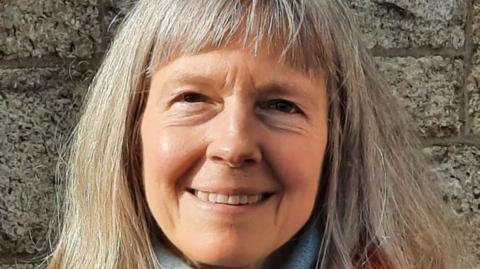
<point>375,204</point>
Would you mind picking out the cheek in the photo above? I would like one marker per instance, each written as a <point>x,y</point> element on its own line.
<point>157,151</point>
<point>299,168</point>
<point>168,153</point>
<point>168,158</point>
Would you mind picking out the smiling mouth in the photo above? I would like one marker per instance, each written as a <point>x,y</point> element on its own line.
<point>234,200</point>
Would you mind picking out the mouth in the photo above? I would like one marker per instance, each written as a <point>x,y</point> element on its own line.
<point>230,199</point>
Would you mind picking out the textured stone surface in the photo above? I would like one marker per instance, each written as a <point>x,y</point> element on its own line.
<point>36,110</point>
<point>476,22</point>
<point>473,85</point>
<point>459,170</point>
<point>428,87</point>
<point>473,88</point>
<point>115,11</point>
<point>411,23</point>
<point>18,266</point>
<point>30,28</point>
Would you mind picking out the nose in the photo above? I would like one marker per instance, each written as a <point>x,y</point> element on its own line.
<point>234,137</point>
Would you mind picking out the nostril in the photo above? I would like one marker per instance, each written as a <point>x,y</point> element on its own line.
<point>241,161</point>
<point>233,162</point>
<point>234,152</point>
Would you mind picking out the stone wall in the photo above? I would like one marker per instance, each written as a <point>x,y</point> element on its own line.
<point>50,49</point>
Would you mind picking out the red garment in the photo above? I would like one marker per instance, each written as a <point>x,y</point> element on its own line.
<point>377,260</point>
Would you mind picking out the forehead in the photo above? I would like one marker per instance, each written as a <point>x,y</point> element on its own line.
<point>243,53</point>
<point>219,64</point>
<point>274,55</point>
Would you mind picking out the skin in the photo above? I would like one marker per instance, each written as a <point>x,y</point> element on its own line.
<point>216,120</point>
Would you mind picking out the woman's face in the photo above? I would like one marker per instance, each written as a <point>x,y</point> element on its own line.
<point>233,146</point>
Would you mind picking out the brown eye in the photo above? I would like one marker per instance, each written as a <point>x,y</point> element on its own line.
<point>283,106</point>
<point>191,97</point>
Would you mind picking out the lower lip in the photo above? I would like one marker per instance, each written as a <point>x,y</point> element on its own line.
<point>226,209</point>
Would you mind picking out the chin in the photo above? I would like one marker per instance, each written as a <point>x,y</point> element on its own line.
<point>231,257</point>
<point>228,262</point>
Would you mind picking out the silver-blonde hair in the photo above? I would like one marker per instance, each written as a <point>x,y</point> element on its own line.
<point>374,203</point>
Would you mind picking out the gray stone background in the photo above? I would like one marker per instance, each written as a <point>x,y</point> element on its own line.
<point>49,51</point>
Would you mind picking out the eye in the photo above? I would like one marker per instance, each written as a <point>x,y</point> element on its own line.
<point>191,97</point>
<point>283,106</point>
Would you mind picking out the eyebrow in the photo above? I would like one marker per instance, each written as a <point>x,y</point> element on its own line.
<point>188,78</point>
<point>170,85</point>
<point>276,88</point>
<point>281,88</point>
<point>262,91</point>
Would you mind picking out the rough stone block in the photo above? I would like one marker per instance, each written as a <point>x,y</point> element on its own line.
<point>428,87</point>
<point>473,88</point>
<point>473,83</point>
<point>115,11</point>
<point>411,23</point>
<point>459,171</point>
<point>37,110</point>
<point>476,22</point>
<point>18,266</point>
<point>30,28</point>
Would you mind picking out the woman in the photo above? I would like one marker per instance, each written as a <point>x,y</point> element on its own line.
<point>245,134</point>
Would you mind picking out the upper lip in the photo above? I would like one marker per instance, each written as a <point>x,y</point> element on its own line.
<point>232,190</point>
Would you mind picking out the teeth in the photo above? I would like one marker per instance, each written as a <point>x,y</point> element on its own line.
<point>211,197</point>
<point>254,198</point>
<point>228,199</point>
<point>202,195</point>
<point>243,199</point>
<point>222,198</point>
<point>233,199</point>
